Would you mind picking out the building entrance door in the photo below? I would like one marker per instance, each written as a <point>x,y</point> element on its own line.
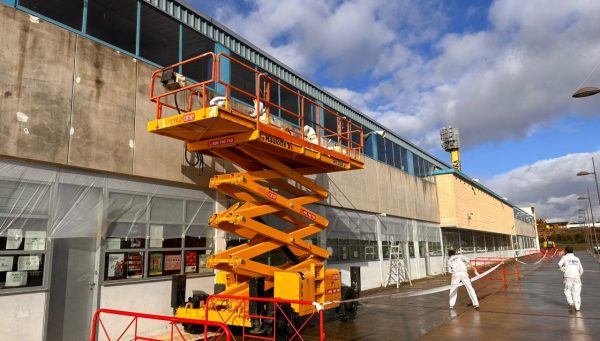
<point>74,275</point>
<point>72,289</point>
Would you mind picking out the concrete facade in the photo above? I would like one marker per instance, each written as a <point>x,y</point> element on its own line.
<point>98,121</point>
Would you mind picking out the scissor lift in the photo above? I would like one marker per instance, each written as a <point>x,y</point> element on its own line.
<point>279,156</point>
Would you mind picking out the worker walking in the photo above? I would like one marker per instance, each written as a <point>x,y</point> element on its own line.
<point>457,266</point>
<point>571,266</point>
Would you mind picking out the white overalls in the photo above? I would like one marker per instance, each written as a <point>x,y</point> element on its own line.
<point>571,265</point>
<point>457,266</point>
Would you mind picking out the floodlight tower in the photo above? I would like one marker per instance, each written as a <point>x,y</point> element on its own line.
<point>451,143</point>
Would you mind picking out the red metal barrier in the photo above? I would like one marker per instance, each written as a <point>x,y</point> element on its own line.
<point>500,274</point>
<point>279,313</point>
<point>219,331</point>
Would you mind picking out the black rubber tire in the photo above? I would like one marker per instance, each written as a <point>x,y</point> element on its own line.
<point>193,328</point>
<point>347,311</point>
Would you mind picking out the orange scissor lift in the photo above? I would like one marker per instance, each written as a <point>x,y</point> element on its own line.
<point>278,156</point>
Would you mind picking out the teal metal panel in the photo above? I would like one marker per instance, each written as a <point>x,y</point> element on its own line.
<point>410,163</point>
<point>11,3</point>
<point>225,67</point>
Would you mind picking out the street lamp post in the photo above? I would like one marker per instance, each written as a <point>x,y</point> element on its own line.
<point>588,235</point>
<point>582,173</point>
<point>591,216</point>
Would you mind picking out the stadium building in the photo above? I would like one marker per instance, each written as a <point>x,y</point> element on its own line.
<point>97,212</point>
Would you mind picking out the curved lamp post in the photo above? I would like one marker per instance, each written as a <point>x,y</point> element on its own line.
<point>591,216</point>
<point>585,92</point>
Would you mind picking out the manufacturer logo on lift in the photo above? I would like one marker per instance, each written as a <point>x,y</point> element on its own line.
<point>308,214</point>
<point>269,194</point>
<point>219,142</point>
<point>338,163</point>
<point>335,277</point>
<point>276,141</point>
<point>332,291</point>
<point>181,119</point>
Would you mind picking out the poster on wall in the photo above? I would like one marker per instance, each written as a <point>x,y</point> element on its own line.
<point>191,261</point>
<point>155,261</point>
<point>28,263</point>
<point>113,243</point>
<point>14,238</point>
<point>156,235</point>
<point>6,263</point>
<point>172,262</point>
<point>116,265</point>
<point>16,279</point>
<point>35,240</point>
<point>135,265</point>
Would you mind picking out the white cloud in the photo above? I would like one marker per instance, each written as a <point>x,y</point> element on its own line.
<point>550,185</point>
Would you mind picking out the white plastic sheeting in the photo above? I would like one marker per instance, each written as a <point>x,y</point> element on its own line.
<point>74,204</point>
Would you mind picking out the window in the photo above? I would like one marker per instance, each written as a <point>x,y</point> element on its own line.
<point>450,239</point>
<point>411,249</point>
<point>67,12</point>
<point>422,249</point>
<point>398,157</point>
<point>289,102</point>
<point>113,21</point>
<point>404,153</point>
<point>380,147</point>
<point>330,123</point>
<point>433,241</point>
<point>368,142</point>
<point>159,37</point>
<point>466,242</point>
<point>480,245</point>
<point>151,236</point>
<point>389,152</point>
<point>243,80</point>
<point>195,44</point>
<point>23,233</point>
<point>351,235</point>
<point>416,165</point>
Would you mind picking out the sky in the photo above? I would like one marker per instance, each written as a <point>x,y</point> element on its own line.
<point>502,72</point>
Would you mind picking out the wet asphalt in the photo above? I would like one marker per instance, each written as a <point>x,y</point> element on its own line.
<point>530,308</point>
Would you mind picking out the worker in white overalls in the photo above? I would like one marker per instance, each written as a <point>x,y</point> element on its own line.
<point>457,266</point>
<point>571,266</point>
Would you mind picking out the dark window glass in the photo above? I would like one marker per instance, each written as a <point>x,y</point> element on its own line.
<point>195,44</point>
<point>380,148</point>
<point>389,152</point>
<point>289,102</point>
<point>68,12</point>
<point>330,122</point>
<point>368,142</point>
<point>274,98</point>
<point>243,79</point>
<point>397,157</point>
<point>417,165</point>
<point>404,155</point>
<point>113,21</point>
<point>159,37</point>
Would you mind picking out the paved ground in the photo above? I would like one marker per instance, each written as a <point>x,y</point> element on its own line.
<point>533,308</point>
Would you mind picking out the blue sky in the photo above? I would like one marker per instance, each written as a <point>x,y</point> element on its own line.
<point>501,71</point>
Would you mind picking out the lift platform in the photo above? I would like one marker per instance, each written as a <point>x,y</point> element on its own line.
<point>279,146</point>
